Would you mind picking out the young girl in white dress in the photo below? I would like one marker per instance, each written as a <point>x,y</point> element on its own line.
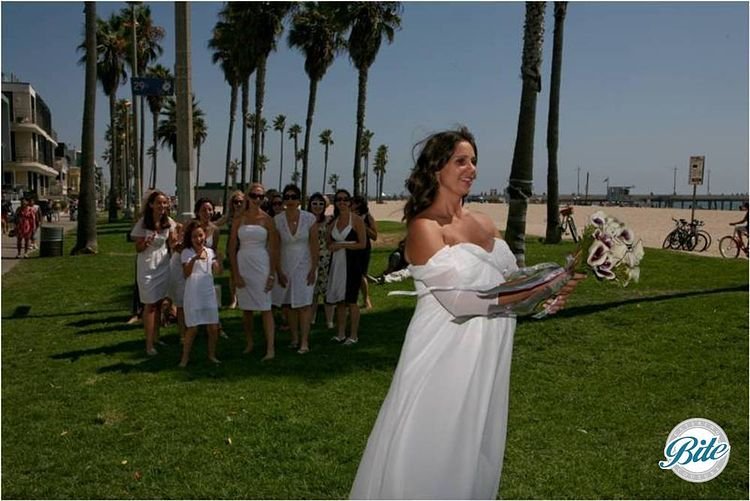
<point>199,263</point>
<point>440,433</point>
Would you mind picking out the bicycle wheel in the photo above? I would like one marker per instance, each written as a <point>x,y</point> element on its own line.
<point>708,239</point>
<point>728,247</point>
<point>672,241</point>
<point>701,242</point>
<point>688,241</point>
<point>573,231</point>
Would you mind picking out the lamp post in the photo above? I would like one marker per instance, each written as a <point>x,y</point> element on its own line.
<point>183,98</point>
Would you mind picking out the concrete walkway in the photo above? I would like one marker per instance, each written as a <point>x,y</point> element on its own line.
<point>9,250</point>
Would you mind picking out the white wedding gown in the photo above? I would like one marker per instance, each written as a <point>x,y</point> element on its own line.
<point>440,433</point>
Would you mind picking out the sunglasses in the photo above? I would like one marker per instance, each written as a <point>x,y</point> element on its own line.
<point>342,199</point>
<point>238,202</point>
<point>291,196</point>
<point>277,202</point>
<point>318,203</point>
<point>255,196</point>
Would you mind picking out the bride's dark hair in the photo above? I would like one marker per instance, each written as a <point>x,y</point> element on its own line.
<point>435,152</point>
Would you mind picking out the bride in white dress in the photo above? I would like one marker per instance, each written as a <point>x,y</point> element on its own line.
<point>440,433</point>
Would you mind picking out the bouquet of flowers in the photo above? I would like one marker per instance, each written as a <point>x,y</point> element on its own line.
<point>608,248</point>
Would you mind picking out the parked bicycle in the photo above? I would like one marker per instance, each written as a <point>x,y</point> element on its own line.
<point>567,223</point>
<point>731,245</point>
<point>687,236</point>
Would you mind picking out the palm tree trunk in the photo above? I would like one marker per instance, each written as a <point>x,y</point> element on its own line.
<point>86,231</point>
<point>142,144</point>
<point>197,168</point>
<point>521,180</point>
<point>325,167</point>
<point>245,107</point>
<point>553,234</point>
<point>380,186</point>
<point>361,97</point>
<point>113,177</point>
<point>308,128</point>
<point>295,154</point>
<point>155,127</point>
<point>260,83</point>
<point>281,157</point>
<point>232,111</point>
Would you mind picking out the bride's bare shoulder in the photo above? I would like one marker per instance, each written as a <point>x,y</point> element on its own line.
<point>423,239</point>
<point>486,223</point>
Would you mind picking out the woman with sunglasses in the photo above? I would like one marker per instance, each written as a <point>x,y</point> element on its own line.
<point>254,263</point>
<point>346,242</point>
<point>317,206</point>
<point>236,206</point>
<point>298,266</point>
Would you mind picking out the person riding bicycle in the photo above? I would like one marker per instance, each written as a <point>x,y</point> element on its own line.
<point>742,229</point>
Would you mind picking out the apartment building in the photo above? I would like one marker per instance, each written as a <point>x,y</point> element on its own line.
<point>30,163</point>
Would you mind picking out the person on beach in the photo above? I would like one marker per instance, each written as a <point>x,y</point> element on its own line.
<point>346,242</point>
<point>199,263</point>
<point>359,206</point>
<point>151,233</point>
<point>25,226</point>
<point>177,277</point>
<point>297,267</point>
<point>254,265</point>
<point>236,206</point>
<point>440,433</point>
<point>317,205</point>
<point>743,230</point>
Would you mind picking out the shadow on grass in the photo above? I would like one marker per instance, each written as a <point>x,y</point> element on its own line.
<point>381,336</point>
<point>106,320</point>
<point>14,315</point>
<point>589,309</point>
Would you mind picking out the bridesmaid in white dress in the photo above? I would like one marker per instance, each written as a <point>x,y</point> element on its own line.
<point>254,264</point>
<point>298,266</point>
<point>441,430</point>
<point>151,233</point>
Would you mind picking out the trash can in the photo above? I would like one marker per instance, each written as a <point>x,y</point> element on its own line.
<point>51,241</point>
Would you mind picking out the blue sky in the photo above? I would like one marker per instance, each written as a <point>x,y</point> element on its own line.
<point>645,86</point>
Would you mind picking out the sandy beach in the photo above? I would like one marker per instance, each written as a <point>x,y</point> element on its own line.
<point>651,225</point>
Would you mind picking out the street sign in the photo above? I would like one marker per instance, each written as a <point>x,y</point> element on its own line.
<point>696,170</point>
<point>147,86</point>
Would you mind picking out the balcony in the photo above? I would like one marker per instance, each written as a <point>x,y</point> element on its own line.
<point>27,124</point>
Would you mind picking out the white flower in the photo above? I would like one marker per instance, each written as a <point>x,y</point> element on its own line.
<point>598,218</point>
<point>597,254</point>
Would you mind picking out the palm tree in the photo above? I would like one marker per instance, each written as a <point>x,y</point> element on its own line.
<point>155,104</point>
<point>316,32</point>
<point>234,166</point>
<point>326,139</point>
<point>249,123</point>
<point>148,38</point>
<point>381,160</point>
<point>86,242</point>
<point>110,70</point>
<point>279,123</point>
<point>223,42</point>
<point>167,130</point>
<point>366,138</point>
<point>296,175</point>
<point>267,26</point>
<point>522,167</point>
<point>239,18</point>
<point>263,130</point>
<point>333,182</point>
<point>294,132</point>
<point>553,234</point>
<point>200,132</point>
<point>370,23</point>
<point>262,162</point>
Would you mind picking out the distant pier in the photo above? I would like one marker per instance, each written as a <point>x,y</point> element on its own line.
<point>710,202</point>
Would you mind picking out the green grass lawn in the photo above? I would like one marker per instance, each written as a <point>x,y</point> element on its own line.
<point>595,390</point>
